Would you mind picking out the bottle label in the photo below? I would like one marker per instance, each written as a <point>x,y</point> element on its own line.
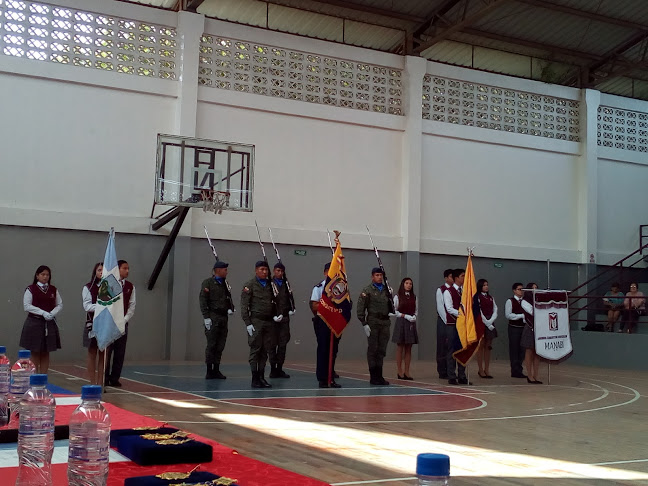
<point>36,426</point>
<point>88,449</point>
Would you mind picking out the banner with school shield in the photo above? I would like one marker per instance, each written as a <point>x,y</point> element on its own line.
<point>551,324</point>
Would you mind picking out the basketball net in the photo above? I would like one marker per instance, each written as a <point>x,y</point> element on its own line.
<point>214,201</point>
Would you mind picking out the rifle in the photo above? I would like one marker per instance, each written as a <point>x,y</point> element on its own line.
<point>230,302</point>
<point>390,292</point>
<point>290,293</point>
<point>275,290</point>
<point>328,233</point>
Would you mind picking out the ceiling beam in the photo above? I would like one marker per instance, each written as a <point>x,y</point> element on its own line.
<point>192,5</point>
<point>458,26</point>
<point>584,14</point>
<point>372,10</point>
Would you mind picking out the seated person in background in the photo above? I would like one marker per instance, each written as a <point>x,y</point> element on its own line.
<point>635,306</point>
<point>613,301</point>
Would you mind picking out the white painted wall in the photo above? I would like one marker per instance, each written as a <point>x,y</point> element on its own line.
<point>509,202</point>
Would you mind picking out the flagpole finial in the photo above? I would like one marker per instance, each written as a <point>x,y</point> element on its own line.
<point>337,234</point>
<point>470,250</point>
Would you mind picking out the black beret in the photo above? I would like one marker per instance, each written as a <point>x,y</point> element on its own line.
<point>261,263</point>
<point>327,266</point>
<point>376,270</point>
<point>220,264</point>
<point>280,265</point>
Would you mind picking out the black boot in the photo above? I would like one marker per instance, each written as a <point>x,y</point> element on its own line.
<point>256,383</point>
<point>217,374</point>
<point>262,380</point>
<point>379,373</point>
<point>281,373</point>
<point>375,378</point>
<point>210,372</point>
<point>274,371</point>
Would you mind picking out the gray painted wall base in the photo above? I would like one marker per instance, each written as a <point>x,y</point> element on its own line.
<point>610,350</point>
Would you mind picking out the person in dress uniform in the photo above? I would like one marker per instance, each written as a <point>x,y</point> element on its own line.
<point>452,301</point>
<point>258,310</point>
<point>215,302</point>
<point>373,313</point>
<point>89,298</point>
<point>323,336</point>
<point>118,348</point>
<point>442,322</point>
<point>517,311</point>
<point>281,328</point>
<point>488,309</point>
<point>405,332</point>
<point>40,333</point>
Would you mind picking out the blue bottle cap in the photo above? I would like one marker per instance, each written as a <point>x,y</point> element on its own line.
<point>3,350</point>
<point>90,392</point>
<point>24,354</point>
<point>38,380</point>
<point>432,465</point>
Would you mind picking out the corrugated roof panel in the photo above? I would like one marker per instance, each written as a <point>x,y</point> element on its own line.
<point>617,86</point>
<point>157,3</point>
<point>559,29</point>
<point>632,10</point>
<point>373,36</point>
<point>294,21</point>
<point>250,12</point>
<point>451,52</point>
<point>501,62</point>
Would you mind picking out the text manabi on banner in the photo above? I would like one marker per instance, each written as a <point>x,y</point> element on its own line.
<point>551,316</point>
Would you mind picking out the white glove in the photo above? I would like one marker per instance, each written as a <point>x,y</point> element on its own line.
<point>230,312</point>
<point>48,316</point>
<point>413,318</point>
<point>291,313</point>
<point>391,314</point>
<point>410,318</point>
<point>208,323</point>
<point>399,314</point>
<point>367,330</point>
<point>250,329</point>
<point>278,318</point>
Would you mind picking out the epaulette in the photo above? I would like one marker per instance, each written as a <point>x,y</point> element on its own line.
<point>319,285</point>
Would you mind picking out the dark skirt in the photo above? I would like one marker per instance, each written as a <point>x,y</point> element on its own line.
<point>33,335</point>
<point>87,341</point>
<point>527,341</point>
<point>490,335</point>
<point>405,332</point>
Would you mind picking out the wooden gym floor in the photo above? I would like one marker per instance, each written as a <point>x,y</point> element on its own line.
<point>588,427</point>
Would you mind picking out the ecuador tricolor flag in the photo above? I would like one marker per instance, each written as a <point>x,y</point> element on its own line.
<point>469,323</point>
<point>335,305</point>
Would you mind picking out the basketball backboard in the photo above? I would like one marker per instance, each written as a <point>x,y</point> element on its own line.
<point>186,166</point>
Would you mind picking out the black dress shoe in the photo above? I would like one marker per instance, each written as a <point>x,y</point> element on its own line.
<point>218,375</point>
<point>400,377</point>
<point>464,381</point>
<point>115,383</point>
<point>452,381</point>
<point>443,377</point>
<point>333,384</point>
<point>405,377</point>
<point>323,384</point>
<point>521,375</point>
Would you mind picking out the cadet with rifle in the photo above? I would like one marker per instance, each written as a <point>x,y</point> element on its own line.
<point>215,305</point>
<point>375,307</point>
<point>285,308</point>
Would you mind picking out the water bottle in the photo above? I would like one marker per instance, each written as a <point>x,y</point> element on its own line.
<point>36,434</point>
<point>20,374</point>
<point>89,440</point>
<point>5,378</point>
<point>433,469</point>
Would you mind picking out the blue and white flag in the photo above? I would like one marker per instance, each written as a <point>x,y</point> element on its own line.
<point>109,324</point>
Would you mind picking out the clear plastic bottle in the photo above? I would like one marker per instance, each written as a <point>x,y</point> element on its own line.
<point>433,469</point>
<point>89,440</point>
<point>22,369</point>
<point>5,379</point>
<point>36,434</point>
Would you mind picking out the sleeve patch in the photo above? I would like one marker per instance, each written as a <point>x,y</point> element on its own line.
<point>363,294</point>
<point>246,290</point>
<point>206,289</point>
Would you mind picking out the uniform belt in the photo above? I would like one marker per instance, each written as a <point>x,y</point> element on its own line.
<point>35,316</point>
<point>220,313</point>
<point>515,325</point>
<point>378,316</point>
<point>263,317</point>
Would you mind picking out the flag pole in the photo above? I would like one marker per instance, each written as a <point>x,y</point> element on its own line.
<point>330,366</point>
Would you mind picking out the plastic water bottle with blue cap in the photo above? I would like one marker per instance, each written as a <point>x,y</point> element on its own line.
<point>36,434</point>
<point>22,369</point>
<point>433,469</point>
<point>5,379</point>
<point>89,440</point>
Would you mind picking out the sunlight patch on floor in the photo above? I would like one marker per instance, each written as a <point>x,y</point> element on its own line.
<point>398,453</point>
